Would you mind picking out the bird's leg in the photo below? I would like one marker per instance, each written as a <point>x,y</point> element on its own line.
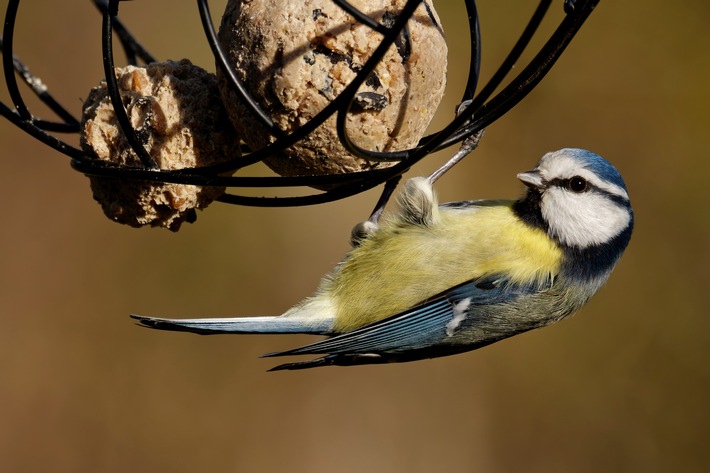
<point>468,145</point>
<point>364,229</point>
<point>418,201</point>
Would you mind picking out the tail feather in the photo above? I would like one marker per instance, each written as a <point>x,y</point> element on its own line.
<point>211,326</point>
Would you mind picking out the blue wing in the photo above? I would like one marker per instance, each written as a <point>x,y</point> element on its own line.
<point>421,327</point>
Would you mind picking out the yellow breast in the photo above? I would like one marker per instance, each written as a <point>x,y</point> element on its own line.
<point>401,265</point>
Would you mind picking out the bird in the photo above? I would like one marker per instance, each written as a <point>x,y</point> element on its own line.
<point>434,280</point>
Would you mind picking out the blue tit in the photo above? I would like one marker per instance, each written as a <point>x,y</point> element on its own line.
<point>435,280</point>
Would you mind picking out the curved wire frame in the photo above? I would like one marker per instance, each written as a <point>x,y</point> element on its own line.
<point>476,112</point>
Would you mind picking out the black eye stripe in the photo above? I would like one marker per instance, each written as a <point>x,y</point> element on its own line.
<point>563,183</point>
<point>620,201</point>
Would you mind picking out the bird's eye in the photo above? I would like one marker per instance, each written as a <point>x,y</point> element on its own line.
<point>577,184</point>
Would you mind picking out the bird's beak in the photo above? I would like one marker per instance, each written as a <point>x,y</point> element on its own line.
<point>532,179</point>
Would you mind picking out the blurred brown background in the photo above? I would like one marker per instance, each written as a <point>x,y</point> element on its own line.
<point>622,386</point>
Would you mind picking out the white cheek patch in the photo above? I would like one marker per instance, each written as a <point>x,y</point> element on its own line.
<point>460,310</point>
<point>583,220</point>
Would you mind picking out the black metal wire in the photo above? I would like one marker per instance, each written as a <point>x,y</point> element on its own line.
<point>69,123</point>
<point>235,83</point>
<point>131,47</point>
<point>479,110</point>
<point>474,71</point>
<point>349,93</point>
<point>112,87</point>
<point>513,56</point>
<point>8,64</point>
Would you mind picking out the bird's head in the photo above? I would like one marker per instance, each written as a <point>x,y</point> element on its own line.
<point>583,201</point>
